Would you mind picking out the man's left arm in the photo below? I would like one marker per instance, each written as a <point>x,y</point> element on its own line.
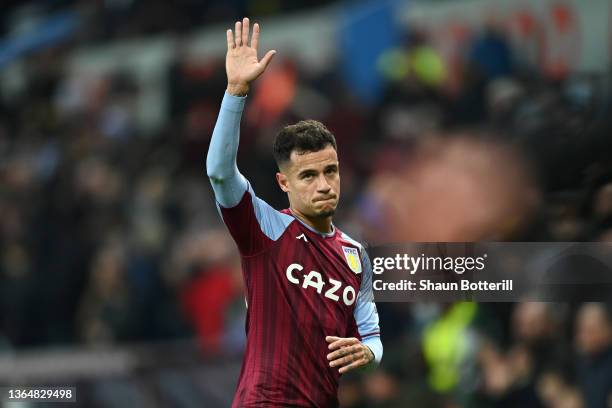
<point>350,353</point>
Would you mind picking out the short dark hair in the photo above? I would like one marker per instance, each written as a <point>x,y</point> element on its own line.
<point>305,136</point>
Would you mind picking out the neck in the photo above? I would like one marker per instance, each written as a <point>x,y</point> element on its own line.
<point>323,225</point>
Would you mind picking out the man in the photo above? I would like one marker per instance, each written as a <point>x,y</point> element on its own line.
<point>593,339</point>
<point>310,309</point>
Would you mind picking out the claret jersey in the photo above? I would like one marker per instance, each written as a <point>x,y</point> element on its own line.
<point>301,286</point>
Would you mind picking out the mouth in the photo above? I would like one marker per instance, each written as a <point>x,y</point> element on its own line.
<point>320,200</point>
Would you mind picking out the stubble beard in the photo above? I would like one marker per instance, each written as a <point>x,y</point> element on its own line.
<point>325,214</point>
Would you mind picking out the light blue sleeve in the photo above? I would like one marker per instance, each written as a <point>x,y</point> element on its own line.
<point>251,222</point>
<point>365,313</point>
<point>227,182</point>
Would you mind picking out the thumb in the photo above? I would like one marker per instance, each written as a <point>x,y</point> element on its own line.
<point>267,58</point>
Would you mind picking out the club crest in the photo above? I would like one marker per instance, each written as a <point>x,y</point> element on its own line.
<point>352,258</point>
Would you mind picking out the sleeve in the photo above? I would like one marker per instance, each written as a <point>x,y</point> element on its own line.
<point>253,224</point>
<point>365,313</point>
<point>227,182</point>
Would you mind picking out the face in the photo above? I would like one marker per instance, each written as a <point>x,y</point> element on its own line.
<point>312,182</point>
<point>593,332</point>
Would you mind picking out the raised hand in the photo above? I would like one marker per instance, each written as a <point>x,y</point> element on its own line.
<point>241,63</point>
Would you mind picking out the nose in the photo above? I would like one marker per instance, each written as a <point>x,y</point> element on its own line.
<point>322,184</point>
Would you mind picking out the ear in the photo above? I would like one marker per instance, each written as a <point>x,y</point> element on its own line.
<point>283,182</point>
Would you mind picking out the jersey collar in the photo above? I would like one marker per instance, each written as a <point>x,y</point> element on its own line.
<point>323,234</point>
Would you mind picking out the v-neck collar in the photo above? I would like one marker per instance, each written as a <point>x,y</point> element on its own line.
<point>323,234</point>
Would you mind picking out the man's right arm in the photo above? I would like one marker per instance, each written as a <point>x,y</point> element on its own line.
<point>253,224</point>
<point>242,67</point>
<point>227,182</point>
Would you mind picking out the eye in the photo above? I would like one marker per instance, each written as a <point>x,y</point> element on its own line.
<point>308,176</point>
<point>331,170</point>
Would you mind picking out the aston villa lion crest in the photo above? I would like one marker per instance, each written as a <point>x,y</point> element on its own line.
<point>352,258</point>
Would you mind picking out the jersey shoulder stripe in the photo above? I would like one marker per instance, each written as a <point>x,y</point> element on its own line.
<point>345,237</point>
<point>253,223</point>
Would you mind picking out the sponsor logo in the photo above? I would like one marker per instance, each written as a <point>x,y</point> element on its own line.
<point>331,289</point>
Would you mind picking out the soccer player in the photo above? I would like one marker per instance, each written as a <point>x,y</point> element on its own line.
<point>310,309</point>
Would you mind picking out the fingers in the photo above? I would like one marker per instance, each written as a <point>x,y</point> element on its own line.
<point>255,37</point>
<point>241,37</point>
<point>353,365</point>
<point>348,358</point>
<point>238,32</point>
<point>337,342</point>
<point>230,40</point>
<point>267,58</point>
<point>245,31</point>
<point>345,351</point>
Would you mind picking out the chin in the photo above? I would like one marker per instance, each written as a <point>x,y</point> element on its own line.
<point>326,213</point>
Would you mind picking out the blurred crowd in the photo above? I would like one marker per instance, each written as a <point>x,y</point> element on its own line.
<point>529,354</point>
<point>108,20</point>
<point>109,236</point>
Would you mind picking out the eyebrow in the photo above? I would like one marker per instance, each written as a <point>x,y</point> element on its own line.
<point>306,172</point>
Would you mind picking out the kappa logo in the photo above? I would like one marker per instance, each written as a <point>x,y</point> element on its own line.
<point>302,236</point>
<point>352,258</point>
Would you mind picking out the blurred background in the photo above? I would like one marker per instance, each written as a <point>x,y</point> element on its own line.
<point>457,120</point>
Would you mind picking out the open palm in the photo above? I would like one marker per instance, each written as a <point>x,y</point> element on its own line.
<point>241,63</point>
